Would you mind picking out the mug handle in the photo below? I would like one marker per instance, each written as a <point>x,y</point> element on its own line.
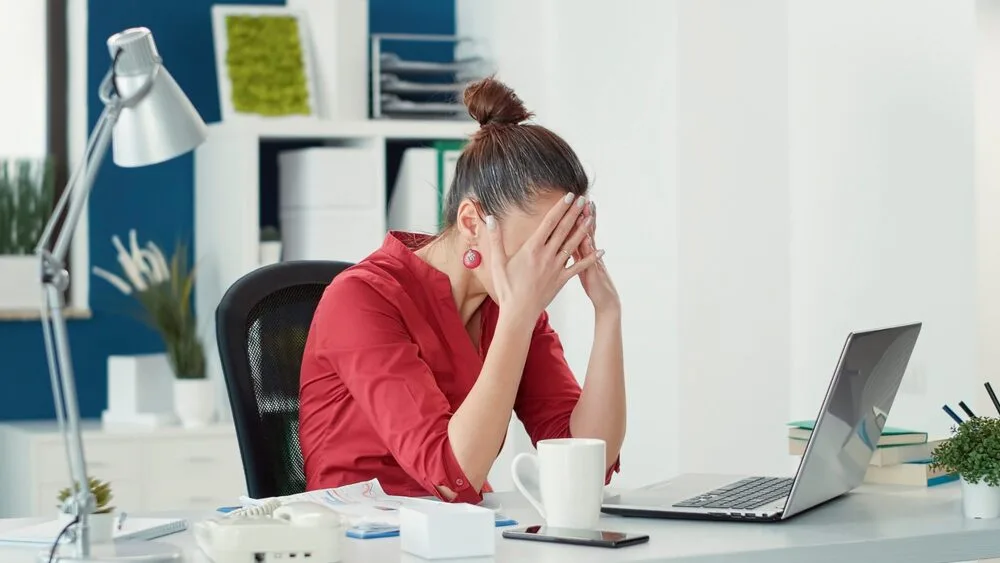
<point>520,486</point>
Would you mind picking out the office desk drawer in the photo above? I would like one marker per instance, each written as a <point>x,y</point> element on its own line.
<point>194,494</point>
<point>107,460</point>
<point>185,458</point>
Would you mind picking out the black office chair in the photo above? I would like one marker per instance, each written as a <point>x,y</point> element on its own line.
<point>261,325</point>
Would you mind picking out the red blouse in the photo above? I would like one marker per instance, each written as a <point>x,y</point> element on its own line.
<point>388,361</point>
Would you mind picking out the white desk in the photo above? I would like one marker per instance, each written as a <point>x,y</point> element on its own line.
<point>872,524</point>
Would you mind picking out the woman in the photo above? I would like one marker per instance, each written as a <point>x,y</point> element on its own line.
<point>419,354</point>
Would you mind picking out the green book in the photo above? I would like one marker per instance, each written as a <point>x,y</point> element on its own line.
<point>891,436</point>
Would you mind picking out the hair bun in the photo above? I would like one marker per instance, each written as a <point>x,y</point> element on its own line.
<point>493,102</point>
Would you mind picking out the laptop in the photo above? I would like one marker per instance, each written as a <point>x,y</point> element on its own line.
<point>841,446</point>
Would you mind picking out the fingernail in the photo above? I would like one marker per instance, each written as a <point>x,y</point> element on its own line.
<point>581,202</point>
<point>569,198</point>
<point>491,223</point>
<point>600,254</point>
<point>593,207</point>
<point>587,222</point>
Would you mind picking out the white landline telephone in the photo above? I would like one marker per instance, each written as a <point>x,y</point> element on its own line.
<point>305,532</point>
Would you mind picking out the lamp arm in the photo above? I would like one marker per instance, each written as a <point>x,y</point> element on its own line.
<point>55,280</point>
<point>45,239</point>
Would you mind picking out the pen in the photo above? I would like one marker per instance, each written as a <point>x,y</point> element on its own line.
<point>966,408</point>
<point>952,414</point>
<point>993,396</point>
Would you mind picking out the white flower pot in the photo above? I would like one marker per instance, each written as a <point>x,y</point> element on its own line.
<point>102,526</point>
<point>270,252</point>
<point>980,500</point>
<point>194,402</point>
<point>19,283</point>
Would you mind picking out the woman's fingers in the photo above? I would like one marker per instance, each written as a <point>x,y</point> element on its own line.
<point>557,241</point>
<point>588,262</point>
<point>574,243</point>
<point>551,220</point>
<point>498,255</point>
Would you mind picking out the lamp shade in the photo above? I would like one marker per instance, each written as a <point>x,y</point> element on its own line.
<point>157,122</point>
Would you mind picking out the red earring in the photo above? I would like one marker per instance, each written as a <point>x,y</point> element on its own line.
<point>472,258</point>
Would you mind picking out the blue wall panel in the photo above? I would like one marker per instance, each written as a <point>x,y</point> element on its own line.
<point>157,200</point>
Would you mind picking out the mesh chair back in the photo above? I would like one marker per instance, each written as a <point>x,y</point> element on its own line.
<point>262,323</point>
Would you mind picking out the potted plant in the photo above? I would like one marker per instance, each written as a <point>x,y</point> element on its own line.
<point>270,246</point>
<point>164,291</point>
<point>973,452</point>
<point>26,199</point>
<point>102,518</point>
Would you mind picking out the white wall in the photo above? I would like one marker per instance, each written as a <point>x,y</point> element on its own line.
<point>634,189</point>
<point>22,61</point>
<point>988,188</point>
<point>733,224</point>
<point>881,137</point>
<point>23,101</point>
<point>769,176</point>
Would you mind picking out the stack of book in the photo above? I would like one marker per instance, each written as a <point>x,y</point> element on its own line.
<point>902,457</point>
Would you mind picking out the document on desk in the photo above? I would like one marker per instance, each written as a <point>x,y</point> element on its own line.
<point>368,508</point>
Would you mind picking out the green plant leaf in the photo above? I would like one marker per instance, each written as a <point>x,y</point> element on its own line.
<point>27,196</point>
<point>101,491</point>
<point>973,451</point>
<point>166,308</point>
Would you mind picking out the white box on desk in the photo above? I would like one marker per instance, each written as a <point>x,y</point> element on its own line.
<point>438,530</point>
<point>324,177</point>
<point>140,392</point>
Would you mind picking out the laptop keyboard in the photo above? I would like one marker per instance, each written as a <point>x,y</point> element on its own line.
<point>745,494</point>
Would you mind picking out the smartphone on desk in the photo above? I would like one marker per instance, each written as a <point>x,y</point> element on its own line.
<point>593,538</point>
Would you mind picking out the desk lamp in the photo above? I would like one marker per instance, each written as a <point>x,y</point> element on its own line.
<point>149,120</point>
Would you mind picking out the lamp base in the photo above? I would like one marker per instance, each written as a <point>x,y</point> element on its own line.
<point>118,552</point>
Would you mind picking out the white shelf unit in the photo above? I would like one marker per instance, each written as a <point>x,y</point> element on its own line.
<point>167,468</point>
<point>227,196</point>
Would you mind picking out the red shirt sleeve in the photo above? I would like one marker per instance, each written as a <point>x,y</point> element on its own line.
<point>367,343</point>
<point>549,391</point>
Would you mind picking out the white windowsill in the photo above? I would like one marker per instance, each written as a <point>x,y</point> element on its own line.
<point>69,313</point>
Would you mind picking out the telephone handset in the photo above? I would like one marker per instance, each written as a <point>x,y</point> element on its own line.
<point>308,532</point>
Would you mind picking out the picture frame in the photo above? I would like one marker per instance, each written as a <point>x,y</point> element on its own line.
<point>262,32</point>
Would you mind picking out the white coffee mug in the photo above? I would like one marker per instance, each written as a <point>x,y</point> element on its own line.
<point>570,479</point>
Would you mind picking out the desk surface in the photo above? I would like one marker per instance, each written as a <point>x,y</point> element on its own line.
<point>872,524</point>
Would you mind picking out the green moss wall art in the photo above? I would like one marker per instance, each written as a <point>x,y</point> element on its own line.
<point>264,61</point>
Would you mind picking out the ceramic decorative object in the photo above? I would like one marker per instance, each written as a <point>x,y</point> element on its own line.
<point>980,500</point>
<point>194,402</point>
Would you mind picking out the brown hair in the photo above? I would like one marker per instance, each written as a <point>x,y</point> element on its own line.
<point>507,163</point>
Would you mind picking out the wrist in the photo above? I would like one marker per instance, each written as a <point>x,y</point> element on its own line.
<point>608,311</point>
<point>516,321</point>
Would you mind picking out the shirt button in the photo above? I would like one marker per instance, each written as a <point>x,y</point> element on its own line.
<point>459,482</point>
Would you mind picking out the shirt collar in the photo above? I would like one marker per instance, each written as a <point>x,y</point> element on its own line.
<point>402,245</point>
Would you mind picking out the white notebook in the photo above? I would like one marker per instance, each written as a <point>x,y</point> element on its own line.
<point>132,529</point>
